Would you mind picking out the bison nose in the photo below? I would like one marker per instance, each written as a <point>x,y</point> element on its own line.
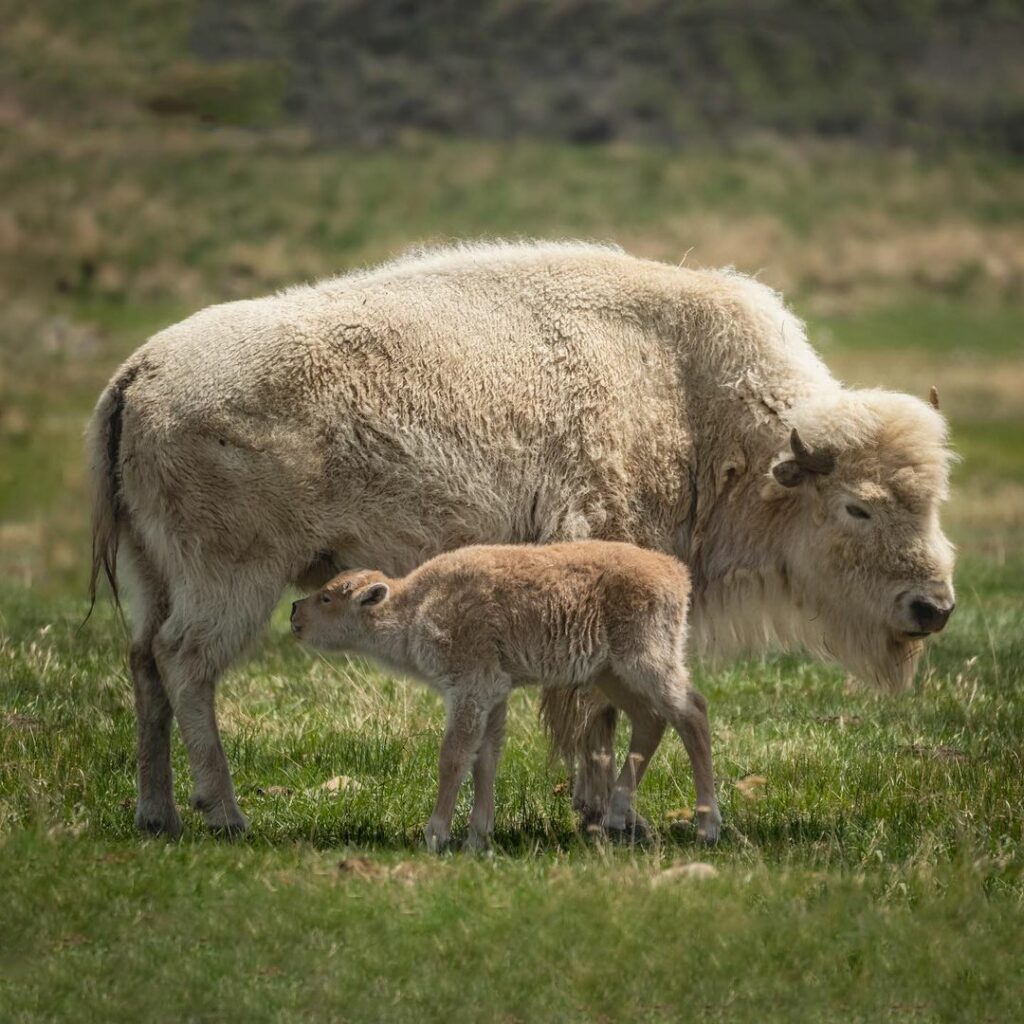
<point>931,617</point>
<point>295,608</point>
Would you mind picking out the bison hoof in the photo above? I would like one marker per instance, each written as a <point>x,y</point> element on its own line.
<point>592,820</point>
<point>634,831</point>
<point>477,842</point>
<point>164,821</point>
<point>630,828</point>
<point>228,826</point>
<point>221,817</point>
<point>436,837</point>
<point>230,830</point>
<point>640,825</point>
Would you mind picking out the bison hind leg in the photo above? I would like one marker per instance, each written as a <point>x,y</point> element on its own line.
<point>581,725</point>
<point>155,812</point>
<point>212,621</point>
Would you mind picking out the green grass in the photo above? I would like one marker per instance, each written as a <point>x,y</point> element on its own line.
<point>877,874</point>
<point>840,792</point>
<point>530,940</point>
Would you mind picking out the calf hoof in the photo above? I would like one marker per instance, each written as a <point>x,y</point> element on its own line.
<point>158,821</point>
<point>709,828</point>
<point>221,818</point>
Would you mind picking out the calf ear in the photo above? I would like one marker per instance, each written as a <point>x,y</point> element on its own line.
<point>375,593</point>
<point>789,473</point>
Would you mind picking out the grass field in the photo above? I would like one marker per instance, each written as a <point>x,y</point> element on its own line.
<point>872,866</point>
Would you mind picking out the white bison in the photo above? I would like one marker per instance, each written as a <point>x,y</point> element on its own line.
<point>496,394</point>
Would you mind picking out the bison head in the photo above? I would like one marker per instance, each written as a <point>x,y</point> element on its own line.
<point>870,568</point>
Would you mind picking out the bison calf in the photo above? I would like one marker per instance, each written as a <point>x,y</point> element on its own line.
<point>476,622</point>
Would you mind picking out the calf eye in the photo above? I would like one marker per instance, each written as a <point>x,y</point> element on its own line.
<point>857,512</point>
<point>325,599</point>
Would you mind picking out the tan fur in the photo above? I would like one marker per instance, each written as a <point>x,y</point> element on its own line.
<point>510,393</point>
<point>477,622</point>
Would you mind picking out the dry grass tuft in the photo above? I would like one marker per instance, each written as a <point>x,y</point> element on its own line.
<point>751,787</point>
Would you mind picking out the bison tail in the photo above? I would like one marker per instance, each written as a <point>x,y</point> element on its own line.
<point>103,444</point>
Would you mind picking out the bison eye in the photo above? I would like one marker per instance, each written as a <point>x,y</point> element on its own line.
<point>857,512</point>
<point>325,598</point>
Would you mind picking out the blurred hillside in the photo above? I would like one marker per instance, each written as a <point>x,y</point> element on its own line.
<point>926,72</point>
<point>158,155</point>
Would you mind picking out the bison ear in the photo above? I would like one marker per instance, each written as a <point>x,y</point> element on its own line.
<point>375,593</point>
<point>789,473</point>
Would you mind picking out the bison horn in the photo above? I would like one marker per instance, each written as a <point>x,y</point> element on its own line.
<point>821,462</point>
<point>933,397</point>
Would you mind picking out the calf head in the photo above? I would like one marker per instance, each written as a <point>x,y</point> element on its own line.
<point>341,615</point>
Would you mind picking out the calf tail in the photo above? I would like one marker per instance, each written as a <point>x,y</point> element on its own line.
<point>103,445</point>
<point>566,713</point>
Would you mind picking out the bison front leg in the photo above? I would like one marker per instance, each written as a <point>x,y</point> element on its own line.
<point>595,767</point>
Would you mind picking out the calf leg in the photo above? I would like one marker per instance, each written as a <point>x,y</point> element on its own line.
<point>647,731</point>
<point>667,693</point>
<point>204,632</point>
<point>481,818</point>
<point>467,718</point>
<point>691,722</point>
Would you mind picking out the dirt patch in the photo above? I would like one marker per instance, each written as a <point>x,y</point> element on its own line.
<point>936,753</point>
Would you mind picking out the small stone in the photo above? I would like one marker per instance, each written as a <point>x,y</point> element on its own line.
<point>694,870</point>
<point>341,783</point>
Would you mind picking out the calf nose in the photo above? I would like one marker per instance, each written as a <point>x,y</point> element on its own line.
<point>295,607</point>
<point>931,617</point>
